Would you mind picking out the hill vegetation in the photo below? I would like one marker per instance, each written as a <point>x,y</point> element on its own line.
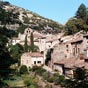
<point>79,22</point>
<point>19,17</point>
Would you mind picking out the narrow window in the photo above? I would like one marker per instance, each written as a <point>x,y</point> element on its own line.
<point>39,62</point>
<point>66,46</point>
<point>34,62</point>
<point>27,62</point>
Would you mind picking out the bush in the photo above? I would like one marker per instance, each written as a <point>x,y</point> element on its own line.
<point>38,70</point>
<point>32,86</point>
<point>51,79</point>
<point>29,81</point>
<point>59,80</point>
<point>23,70</point>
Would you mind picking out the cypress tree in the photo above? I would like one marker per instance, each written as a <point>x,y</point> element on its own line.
<point>32,42</point>
<point>25,45</point>
<point>81,12</point>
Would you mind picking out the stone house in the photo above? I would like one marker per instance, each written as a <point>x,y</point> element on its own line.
<point>77,47</point>
<point>61,51</point>
<point>66,66</point>
<point>70,54</point>
<point>32,59</point>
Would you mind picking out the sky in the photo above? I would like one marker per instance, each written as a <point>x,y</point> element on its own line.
<point>57,10</point>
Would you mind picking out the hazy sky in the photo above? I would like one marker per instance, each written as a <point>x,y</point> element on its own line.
<point>58,10</point>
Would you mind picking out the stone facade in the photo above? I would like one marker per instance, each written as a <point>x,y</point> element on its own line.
<point>32,59</point>
<point>70,53</point>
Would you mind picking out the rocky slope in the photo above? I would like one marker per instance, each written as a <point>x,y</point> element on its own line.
<point>14,17</point>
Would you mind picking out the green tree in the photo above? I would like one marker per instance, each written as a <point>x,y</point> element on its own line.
<point>26,47</point>
<point>32,41</point>
<point>79,79</point>
<point>48,57</point>
<point>23,69</point>
<point>81,12</point>
<point>21,29</point>
<point>79,22</point>
<point>16,52</point>
<point>5,58</point>
<point>76,25</point>
<point>33,47</point>
<point>70,27</point>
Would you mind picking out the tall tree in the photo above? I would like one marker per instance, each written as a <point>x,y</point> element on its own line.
<point>32,39</point>
<point>16,52</point>
<point>5,58</point>
<point>81,12</point>
<point>79,80</point>
<point>33,48</point>
<point>26,45</point>
<point>48,56</point>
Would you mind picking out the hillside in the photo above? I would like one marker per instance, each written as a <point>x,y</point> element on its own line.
<point>14,18</point>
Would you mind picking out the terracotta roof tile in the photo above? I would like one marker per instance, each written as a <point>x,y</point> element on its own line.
<point>71,63</point>
<point>36,54</point>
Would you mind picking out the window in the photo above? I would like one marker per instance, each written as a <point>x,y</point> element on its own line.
<point>34,62</point>
<point>27,62</point>
<point>66,46</point>
<point>39,62</point>
<point>27,31</point>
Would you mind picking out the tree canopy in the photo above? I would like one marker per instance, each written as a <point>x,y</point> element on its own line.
<point>16,51</point>
<point>79,80</point>
<point>5,58</point>
<point>79,22</point>
<point>81,12</point>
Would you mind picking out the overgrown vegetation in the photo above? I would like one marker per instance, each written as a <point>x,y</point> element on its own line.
<point>48,56</point>
<point>23,69</point>
<point>5,58</point>
<point>16,52</point>
<point>79,80</point>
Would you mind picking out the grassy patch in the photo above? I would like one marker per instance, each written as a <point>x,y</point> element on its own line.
<point>15,81</point>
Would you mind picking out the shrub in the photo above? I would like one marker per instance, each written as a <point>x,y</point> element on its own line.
<point>32,86</point>
<point>29,81</point>
<point>38,70</point>
<point>51,79</point>
<point>59,80</point>
<point>23,69</point>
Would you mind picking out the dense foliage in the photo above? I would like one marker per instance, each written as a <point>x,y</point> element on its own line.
<point>8,17</point>
<point>48,56</point>
<point>31,47</point>
<point>79,80</point>
<point>26,46</point>
<point>5,58</point>
<point>16,52</point>
<point>79,22</point>
<point>23,69</point>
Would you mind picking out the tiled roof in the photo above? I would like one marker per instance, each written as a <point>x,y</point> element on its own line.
<point>62,61</point>
<point>71,63</point>
<point>74,63</point>
<point>86,35</point>
<point>33,54</point>
<point>36,54</point>
<point>76,40</point>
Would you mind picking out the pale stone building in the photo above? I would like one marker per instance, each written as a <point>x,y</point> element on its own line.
<point>32,59</point>
<point>66,66</point>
